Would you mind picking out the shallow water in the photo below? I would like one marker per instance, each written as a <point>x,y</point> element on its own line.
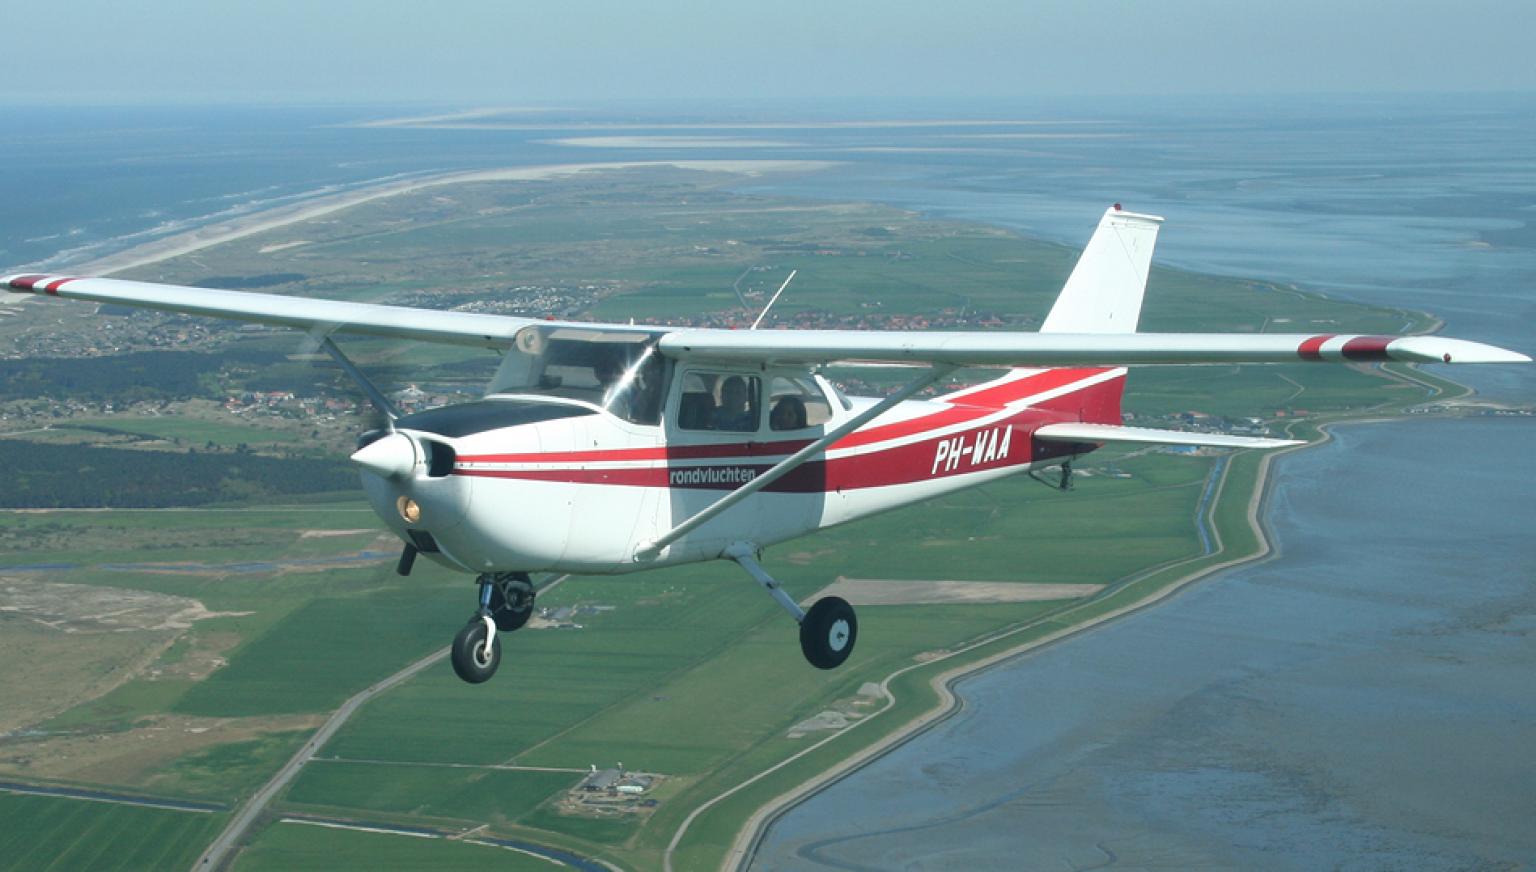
<point>1363,701</point>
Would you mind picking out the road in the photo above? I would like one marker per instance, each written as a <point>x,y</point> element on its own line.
<point>740,854</point>
<point>220,851</point>
<point>105,796</point>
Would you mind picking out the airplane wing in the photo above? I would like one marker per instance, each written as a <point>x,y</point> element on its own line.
<point>1079,432</point>
<point>302,313</point>
<point>779,346</point>
<point>1069,349</point>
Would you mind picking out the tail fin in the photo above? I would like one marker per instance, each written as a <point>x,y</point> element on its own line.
<point>1103,294</point>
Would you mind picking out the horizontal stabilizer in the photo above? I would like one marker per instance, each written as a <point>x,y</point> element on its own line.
<point>1071,432</point>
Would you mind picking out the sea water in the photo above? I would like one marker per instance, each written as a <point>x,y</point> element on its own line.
<point>1362,701</point>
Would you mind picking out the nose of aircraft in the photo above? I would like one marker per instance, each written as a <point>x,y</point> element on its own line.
<point>393,456</point>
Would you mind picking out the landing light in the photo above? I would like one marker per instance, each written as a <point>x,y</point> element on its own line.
<point>408,509</point>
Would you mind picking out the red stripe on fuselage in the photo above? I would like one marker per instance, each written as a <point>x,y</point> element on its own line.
<point>53,286</point>
<point>1098,396</point>
<point>1012,391</point>
<point>902,464</point>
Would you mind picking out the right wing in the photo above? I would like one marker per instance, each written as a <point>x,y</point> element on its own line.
<point>301,313</point>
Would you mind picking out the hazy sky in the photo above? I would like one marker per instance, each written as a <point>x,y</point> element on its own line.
<point>504,52</point>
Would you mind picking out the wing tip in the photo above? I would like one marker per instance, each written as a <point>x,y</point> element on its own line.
<point>1436,349</point>
<point>1120,212</point>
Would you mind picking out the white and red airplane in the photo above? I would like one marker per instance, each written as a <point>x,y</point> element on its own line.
<point>605,448</point>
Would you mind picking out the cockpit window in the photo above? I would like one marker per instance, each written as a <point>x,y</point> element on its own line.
<point>719,401</point>
<point>465,419</point>
<point>620,372</point>
<point>796,403</point>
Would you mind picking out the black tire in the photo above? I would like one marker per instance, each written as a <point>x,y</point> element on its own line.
<point>468,653</point>
<point>828,632</point>
<point>511,615</point>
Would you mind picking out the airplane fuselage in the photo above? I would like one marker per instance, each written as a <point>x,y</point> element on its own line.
<point>577,489</point>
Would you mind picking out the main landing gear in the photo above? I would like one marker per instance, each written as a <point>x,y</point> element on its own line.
<point>827,631</point>
<point>506,603</point>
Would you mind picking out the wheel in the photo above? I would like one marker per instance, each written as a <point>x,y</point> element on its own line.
<point>511,604</point>
<point>828,631</point>
<point>471,661</point>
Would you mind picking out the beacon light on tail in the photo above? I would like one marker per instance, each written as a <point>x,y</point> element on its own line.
<point>608,449</point>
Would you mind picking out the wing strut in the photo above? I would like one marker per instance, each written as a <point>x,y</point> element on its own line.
<point>375,396</point>
<point>763,314</point>
<point>649,550</point>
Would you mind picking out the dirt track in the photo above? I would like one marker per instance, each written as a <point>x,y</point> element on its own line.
<point>883,592</point>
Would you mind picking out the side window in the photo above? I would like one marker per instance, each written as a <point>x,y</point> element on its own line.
<point>796,403</point>
<point>720,401</point>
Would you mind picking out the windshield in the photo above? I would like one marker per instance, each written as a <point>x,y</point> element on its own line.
<point>618,371</point>
<point>466,419</point>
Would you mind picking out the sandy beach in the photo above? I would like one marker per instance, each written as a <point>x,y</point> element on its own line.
<point>670,142</point>
<point>321,205</point>
<point>488,121</point>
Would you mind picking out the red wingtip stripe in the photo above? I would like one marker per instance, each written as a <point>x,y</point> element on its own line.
<point>25,283</point>
<point>1367,348</point>
<point>53,286</point>
<point>1312,349</point>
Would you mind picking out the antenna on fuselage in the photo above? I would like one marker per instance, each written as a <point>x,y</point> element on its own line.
<point>775,299</point>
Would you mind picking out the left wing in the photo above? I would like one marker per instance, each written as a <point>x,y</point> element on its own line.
<point>1069,349</point>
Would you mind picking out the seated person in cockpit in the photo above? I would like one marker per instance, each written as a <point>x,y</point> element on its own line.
<point>735,412</point>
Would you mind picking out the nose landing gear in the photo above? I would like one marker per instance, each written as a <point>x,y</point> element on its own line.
<point>476,651</point>
<point>506,603</point>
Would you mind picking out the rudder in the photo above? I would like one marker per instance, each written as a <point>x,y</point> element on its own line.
<point>1105,290</point>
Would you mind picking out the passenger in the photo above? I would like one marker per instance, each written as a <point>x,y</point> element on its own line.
<point>735,411</point>
<point>788,414</point>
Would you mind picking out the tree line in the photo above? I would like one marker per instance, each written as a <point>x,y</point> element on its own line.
<point>39,475</point>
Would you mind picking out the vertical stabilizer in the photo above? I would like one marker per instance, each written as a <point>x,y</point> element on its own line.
<point>1103,294</point>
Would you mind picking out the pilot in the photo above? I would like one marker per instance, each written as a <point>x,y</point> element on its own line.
<point>733,413</point>
<point>609,372</point>
<point>645,394</point>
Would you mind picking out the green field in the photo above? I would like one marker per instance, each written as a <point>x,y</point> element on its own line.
<point>476,795</point>
<point>690,672</point>
<point>293,847</point>
<point>44,834</point>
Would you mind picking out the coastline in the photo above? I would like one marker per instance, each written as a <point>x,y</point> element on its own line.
<point>948,703</point>
<point>743,848</point>
<point>942,685</point>
<point>207,236</point>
